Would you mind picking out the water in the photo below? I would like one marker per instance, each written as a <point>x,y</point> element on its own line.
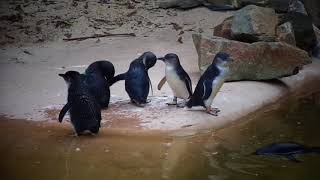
<point>34,151</point>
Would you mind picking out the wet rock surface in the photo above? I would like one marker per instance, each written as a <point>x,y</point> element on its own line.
<point>256,61</point>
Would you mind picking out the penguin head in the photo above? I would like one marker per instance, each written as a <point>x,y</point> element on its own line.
<point>103,67</point>
<point>70,76</point>
<point>170,59</point>
<point>222,59</point>
<point>149,59</point>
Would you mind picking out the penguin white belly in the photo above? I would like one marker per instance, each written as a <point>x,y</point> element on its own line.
<point>177,85</point>
<point>216,85</point>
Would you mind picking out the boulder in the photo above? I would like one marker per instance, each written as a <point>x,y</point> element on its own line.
<point>313,9</point>
<point>303,29</point>
<point>317,32</point>
<point>285,33</point>
<point>253,23</point>
<point>256,61</point>
<point>316,50</point>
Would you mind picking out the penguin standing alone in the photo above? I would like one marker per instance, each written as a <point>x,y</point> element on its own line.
<point>137,81</point>
<point>97,76</point>
<point>178,80</point>
<point>210,82</point>
<point>85,111</point>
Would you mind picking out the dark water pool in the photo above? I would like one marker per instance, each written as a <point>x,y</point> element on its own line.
<point>36,152</point>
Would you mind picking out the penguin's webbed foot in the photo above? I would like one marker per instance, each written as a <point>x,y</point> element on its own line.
<point>182,105</point>
<point>139,104</point>
<point>173,102</point>
<point>213,111</point>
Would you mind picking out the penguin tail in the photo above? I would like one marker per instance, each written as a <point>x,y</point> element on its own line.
<point>117,78</point>
<point>64,110</point>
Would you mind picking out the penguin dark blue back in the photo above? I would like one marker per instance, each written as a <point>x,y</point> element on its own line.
<point>97,76</point>
<point>287,149</point>
<point>148,59</point>
<point>85,111</point>
<point>210,82</point>
<point>105,68</point>
<point>137,81</point>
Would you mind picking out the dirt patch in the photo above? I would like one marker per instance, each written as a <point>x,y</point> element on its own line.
<point>42,21</point>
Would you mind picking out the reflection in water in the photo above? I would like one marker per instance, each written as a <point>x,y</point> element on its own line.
<point>33,151</point>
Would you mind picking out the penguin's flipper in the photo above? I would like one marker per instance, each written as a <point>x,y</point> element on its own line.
<point>117,78</point>
<point>207,89</point>
<point>188,83</point>
<point>161,83</point>
<point>150,85</point>
<point>64,110</point>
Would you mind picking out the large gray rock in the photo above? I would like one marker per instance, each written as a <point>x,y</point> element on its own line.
<point>253,23</point>
<point>256,61</point>
<point>284,32</point>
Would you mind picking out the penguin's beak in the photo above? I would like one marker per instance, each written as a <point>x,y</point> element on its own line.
<point>161,59</point>
<point>61,75</point>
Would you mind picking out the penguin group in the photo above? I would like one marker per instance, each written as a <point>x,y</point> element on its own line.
<point>89,93</point>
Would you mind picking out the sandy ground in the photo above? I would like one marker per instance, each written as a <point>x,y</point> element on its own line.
<point>30,88</point>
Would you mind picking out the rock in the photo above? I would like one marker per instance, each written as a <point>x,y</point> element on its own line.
<point>312,7</point>
<point>256,61</point>
<point>317,32</point>
<point>224,29</point>
<point>303,29</point>
<point>183,4</point>
<point>316,49</point>
<point>253,23</point>
<point>279,6</point>
<point>297,6</point>
<point>285,34</point>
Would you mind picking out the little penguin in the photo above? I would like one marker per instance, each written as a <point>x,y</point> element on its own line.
<point>97,76</point>
<point>210,82</point>
<point>287,149</point>
<point>177,78</point>
<point>84,109</point>
<point>137,81</point>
